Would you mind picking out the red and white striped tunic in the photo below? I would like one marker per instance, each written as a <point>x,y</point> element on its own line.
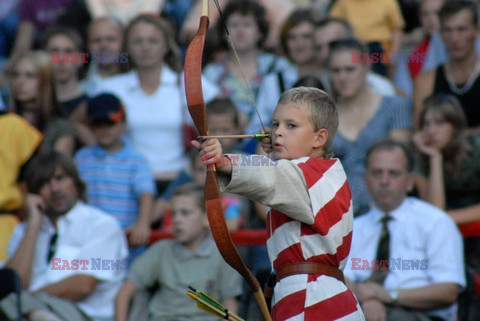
<point>327,240</point>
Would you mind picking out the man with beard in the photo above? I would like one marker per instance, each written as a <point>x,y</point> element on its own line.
<point>69,256</point>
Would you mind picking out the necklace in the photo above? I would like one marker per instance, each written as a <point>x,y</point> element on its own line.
<point>468,84</point>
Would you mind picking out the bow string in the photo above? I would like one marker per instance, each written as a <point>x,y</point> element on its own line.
<point>213,197</point>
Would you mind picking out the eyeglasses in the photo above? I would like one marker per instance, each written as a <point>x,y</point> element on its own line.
<point>52,246</point>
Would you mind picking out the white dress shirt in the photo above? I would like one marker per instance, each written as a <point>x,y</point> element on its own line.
<point>84,233</point>
<point>419,232</point>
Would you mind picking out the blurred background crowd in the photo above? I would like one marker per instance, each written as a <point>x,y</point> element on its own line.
<point>121,113</point>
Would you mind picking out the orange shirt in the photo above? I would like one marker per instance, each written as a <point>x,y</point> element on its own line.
<point>372,20</point>
<point>18,142</point>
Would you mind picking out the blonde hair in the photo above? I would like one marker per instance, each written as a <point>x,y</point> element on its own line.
<point>172,57</point>
<point>320,106</point>
<point>47,102</point>
<point>192,189</point>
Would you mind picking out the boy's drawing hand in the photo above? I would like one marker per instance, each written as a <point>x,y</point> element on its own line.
<point>266,143</point>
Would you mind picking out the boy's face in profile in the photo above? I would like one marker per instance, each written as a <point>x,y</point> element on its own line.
<point>220,125</point>
<point>190,223</point>
<point>292,133</point>
<point>108,134</point>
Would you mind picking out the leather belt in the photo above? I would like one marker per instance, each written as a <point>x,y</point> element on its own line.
<point>309,268</point>
<point>299,268</point>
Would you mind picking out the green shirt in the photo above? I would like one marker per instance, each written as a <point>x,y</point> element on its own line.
<point>174,268</point>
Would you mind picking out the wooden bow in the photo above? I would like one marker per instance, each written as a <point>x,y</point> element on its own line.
<point>213,197</point>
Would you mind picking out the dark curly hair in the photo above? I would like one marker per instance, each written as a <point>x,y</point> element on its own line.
<point>244,7</point>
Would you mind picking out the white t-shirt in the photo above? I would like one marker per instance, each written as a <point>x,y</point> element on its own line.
<point>155,121</point>
<point>380,85</point>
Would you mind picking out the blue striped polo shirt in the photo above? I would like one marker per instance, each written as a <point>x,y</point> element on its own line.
<point>115,181</point>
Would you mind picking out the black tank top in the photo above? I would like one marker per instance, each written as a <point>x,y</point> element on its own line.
<point>470,100</point>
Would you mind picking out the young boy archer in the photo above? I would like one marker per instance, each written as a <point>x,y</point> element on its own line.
<point>310,219</point>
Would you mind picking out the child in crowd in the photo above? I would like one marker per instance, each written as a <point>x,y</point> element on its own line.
<point>310,222</point>
<point>119,180</point>
<point>223,119</point>
<point>191,259</point>
<point>231,203</point>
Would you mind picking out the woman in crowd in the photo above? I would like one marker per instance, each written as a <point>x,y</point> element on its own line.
<point>450,159</point>
<point>154,96</point>
<point>70,94</point>
<point>248,29</point>
<point>33,97</point>
<point>296,40</point>
<point>450,167</point>
<point>365,117</point>
<point>277,12</point>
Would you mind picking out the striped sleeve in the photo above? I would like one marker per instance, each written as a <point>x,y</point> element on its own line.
<point>328,190</point>
<point>280,185</point>
<point>143,179</point>
<point>328,238</point>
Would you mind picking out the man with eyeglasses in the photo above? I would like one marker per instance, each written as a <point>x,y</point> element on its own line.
<point>70,256</point>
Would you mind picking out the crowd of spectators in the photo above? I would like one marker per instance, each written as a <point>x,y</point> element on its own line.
<point>93,91</point>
